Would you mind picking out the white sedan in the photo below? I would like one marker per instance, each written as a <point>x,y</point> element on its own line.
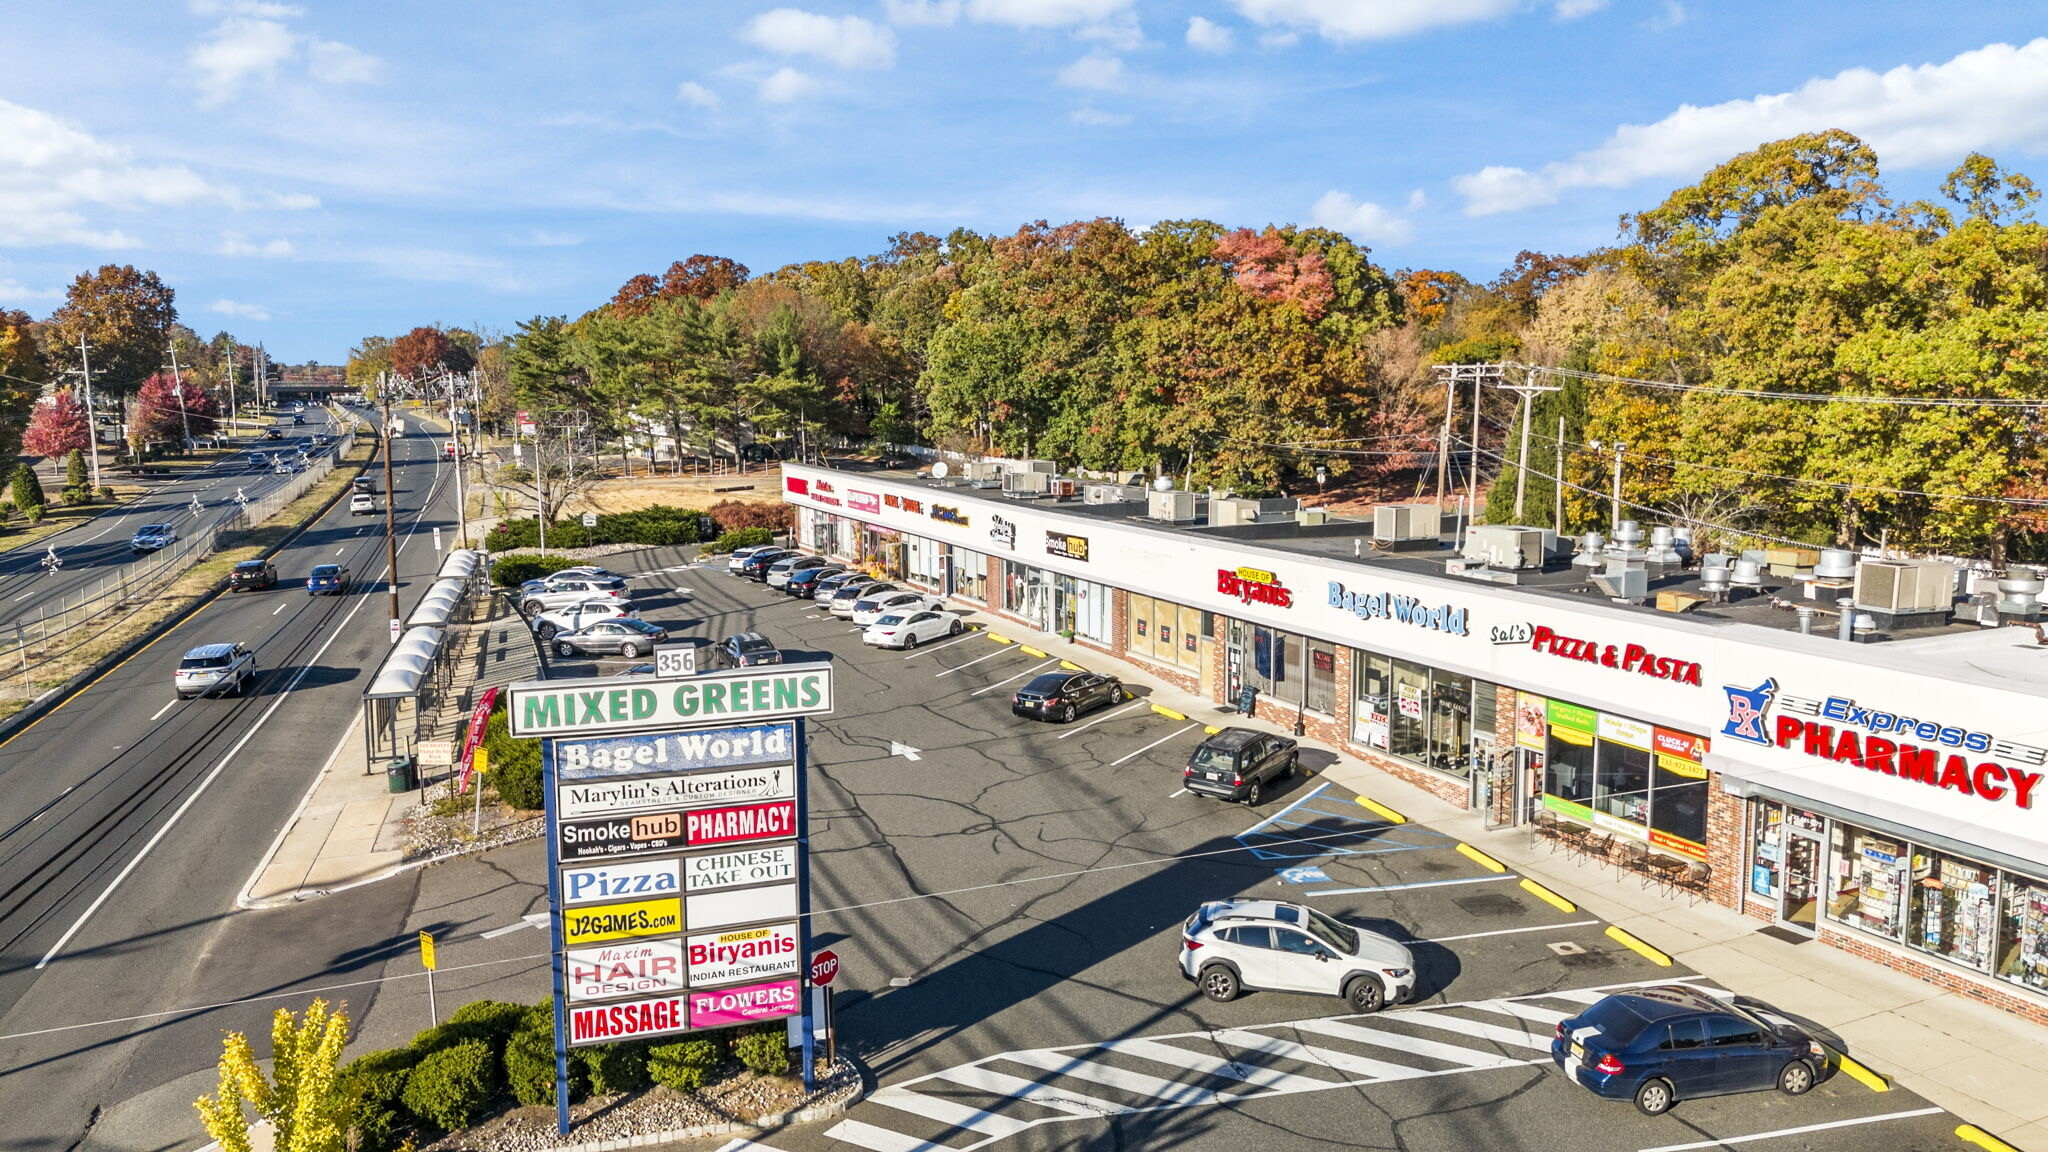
<point>909,629</point>
<point>867,610</point>
<point>575,617</point>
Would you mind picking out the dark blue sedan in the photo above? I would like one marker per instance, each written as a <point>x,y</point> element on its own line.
<point>804,584</point>
<point>1664,1044</point>
<point>327,580</point>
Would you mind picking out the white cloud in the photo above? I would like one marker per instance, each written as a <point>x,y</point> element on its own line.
<point>237,49</point>
<point>1208,36</point>
<point>848,41</point>
<point>1095,72</point>
<point>51,170</point>
<point>1986,99</point>
<point>293,201</point>
<point>12,289</point>
<point>1015,13</point>
<point>1120,33</point>
<point>236,244</point>
<point>259,8</point>
<point>934,13</point>
<point>1671,17</point>
<point>1573,9</point>
<point>1095,117</point>
<point>1344,20</point>
<point>333,62</point>
<point>696,95</point>
<point>787,85</point>
<point>1279,39</point>
<point>543,238</point>
<point>1364,220</point>
<point>255,312</point>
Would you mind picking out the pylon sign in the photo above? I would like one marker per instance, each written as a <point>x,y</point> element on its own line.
<point>678,879</point>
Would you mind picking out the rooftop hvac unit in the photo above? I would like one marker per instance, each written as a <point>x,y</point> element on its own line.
<point>1312,517</point>
<point>1900,587</point>
<point>1027,483</point>
<point>985,474</point>
<point>1620,583</point>
<point>1244,510</point>
<point>1506,546</point>
<point>1134,479</point>
<point>1045,466</point>
<point>1399,522</point>
<point>1063,488</point>
<point>1173,507</point>
<point>1112,494</point>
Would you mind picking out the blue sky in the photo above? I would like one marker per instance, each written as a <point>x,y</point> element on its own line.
<point>308,173</point>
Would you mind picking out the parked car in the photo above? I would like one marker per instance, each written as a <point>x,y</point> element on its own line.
<point>778,573</point>
<point>362,504</point>
<point>825,585</point>
<point>747,650</point>
<point>151,537</point>
<point>909,629</point>
<point>869,609</point>
<point>212,669</point>
<point>1062,696</point>
<point>757,565</point>
<point>252,576</point>
<point>1673,1042</point>
<point>588,570</point>
<point>848,594</point>
<point>558,590</point>
<point>804,583</point>
<point>620,636</point>
<point>327,580</point>
<point>1228,946</point>
<point>1240,764</point>
<point>740,556</point>
<point>581,614</point>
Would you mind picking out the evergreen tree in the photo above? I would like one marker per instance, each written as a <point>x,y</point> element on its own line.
<point>28,489</point>
<point>75,473</point>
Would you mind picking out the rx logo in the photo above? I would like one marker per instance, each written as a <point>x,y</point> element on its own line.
<point>1746,708</point>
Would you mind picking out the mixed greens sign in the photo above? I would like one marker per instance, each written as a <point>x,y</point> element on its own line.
<point>631,704</point>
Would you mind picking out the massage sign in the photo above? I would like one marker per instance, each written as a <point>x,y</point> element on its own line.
<point>678,892</point>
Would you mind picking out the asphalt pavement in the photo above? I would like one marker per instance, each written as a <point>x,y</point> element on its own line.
<point>135,818</point>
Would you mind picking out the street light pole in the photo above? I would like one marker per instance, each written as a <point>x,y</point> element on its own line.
<point>92,427</point>
<point>384,385</point>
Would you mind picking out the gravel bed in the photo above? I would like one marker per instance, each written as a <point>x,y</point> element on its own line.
<point>743,1098</point>
<point>428,835</point>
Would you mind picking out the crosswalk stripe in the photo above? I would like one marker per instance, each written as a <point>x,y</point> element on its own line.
<point>1415,1045</point>
<point>1252,1075</point>
<point>948,1113</point>
<point>1549,1017</point>
<point>870,1137</point>
<point>1137,1083</point>
<point>1342,1061</point>
<point>1018,1088</point>
<point>1581,995</point>
<point>1464,1027</point>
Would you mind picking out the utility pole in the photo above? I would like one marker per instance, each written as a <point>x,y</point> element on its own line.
<point>234,411</point>
<point>1448,373</point>
<point>390,515</point>
<point>1615,498</point>
<point>178,390</point>
<point>92,422</point>
<point>1557,505</point>
<point>1452,375</point>
<point>262,379</point>
<point>1527,389</point>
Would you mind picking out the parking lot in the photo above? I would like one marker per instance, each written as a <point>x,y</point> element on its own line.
<point>1006,897</point>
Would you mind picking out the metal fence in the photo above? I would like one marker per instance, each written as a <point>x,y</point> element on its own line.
<point>24,640</point>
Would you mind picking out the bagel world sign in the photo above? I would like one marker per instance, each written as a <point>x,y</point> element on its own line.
<point>678,838</point>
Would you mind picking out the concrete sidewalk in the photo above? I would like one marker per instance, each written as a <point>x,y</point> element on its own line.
<point>1988,1068</point>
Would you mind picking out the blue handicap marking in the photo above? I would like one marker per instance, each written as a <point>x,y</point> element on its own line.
<point>1305,875</point>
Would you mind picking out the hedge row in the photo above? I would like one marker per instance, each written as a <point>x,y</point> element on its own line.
<point>450,1075</point>
<point>660,524</point>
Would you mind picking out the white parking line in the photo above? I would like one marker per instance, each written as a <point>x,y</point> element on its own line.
<point>1176,792</point>
<point>971,663</point>
<point>1508,931</point>
<point>1098,720</point>
<point>936,647</point>
<point>1155,744</point>
<point>1018,676</point>
<point>1727,1140</point>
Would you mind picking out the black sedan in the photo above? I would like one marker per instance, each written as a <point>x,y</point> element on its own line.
<point>1062,696</point>
<point>1657,1046</point>
<point>616,636</point>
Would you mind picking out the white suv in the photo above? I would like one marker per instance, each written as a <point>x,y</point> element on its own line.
<point>560,591</point>
<point>211,669</point>
<point>1231,945</point>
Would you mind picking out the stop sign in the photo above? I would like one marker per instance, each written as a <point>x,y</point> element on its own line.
<point>824,966</point>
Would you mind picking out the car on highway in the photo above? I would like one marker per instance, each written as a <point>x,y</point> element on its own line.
<point>622,636</point>
<point>778,573</point>
<point>327,580</point>
<point>740,556</point>
<point>363,484</point>
<point>579,615</point>
<point>1240,764</point>
<point>558,590</point>
<point>252,576</point>
<point>297,419</point>
<point>757,565</point>
<point>747,650</point>
<point>1229,946</point>
<point>909,629</point>
<point>273,433</point>
<point>259,461</point>
<point>212,669</point>
<point>1062,696</point>
<point>362,504</point>
<point>867,610</point>
<point>151,537</point>
<point>853,592</point>
<point>1659,1045</point>
<point>803,584</point>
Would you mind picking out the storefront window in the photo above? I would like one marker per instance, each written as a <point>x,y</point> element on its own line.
<point>1450,723</point>
<point>1950,910</point>
<point>1568,763</point>
<point>1166,632</point>
<point>970,575</point>
<point>1678,803</point>
<point>1274,667</point>
<point>1371,681</point>
<point>1091,610</point>
<point>1868,878</point>
<point>1322,678</point>
<point>2023,934</point>
<point>921,561</point>
<point>1016,585</point>
<point>1408,724</point>
<point>1767,847</point>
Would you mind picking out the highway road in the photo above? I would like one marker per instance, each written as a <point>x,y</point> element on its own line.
<point>133,819</point>
<point>96,549</point>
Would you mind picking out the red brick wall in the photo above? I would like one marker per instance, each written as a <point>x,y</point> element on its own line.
<point>1979,988</point>
<point>1727,846</point>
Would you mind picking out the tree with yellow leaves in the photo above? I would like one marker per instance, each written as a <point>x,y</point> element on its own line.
<point>302,1098</point>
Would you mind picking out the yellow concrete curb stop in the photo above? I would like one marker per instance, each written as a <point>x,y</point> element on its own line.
<point>1069,665</point>
<point>1384,812</point>
<point>1634,944</point>
<point>1169,713</point>
<point>1859,1073</point>
<point>1548,897</point>
<point>1211,729</point>
<point>1482,859</point>
<point>1983,1139</point>
<point>1028,650</point>
<point>1000,639</point>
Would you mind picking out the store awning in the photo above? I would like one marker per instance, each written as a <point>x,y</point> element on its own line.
<point>438,604</point>
<point>1942,833</point>
<point>461,563</point>
<point>400,674</point>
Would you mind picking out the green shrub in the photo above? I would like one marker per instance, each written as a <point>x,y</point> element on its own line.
<point>373,1083</point>
<point>75,473</point>
<point>743,538</point>
<point>488,1020</point>
<point>107,492</point>
<point>449,1088</point>
<point>765,1050</point>
<point>79,495</point>
<point>731,514</point>
<point>515,765</point>
<point>530,1061</point>
<point>615,1068</point>
<point>512,571</point>
<point>659,524</point>
<point>687,1064</point>
<point>27,488</point>
<point>34,513</point>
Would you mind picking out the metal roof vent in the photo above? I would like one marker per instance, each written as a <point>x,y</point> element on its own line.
<point>1836,564</point>
<point>1714,581</point>
<point>2016,596</point>
<point>1590,546</point>
<point>1664,546</point>
<point>1622,583</point>
<point>1747,574</point>
<point>1628,534</point>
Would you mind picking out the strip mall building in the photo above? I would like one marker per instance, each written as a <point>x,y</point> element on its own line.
<point>1887,798</point>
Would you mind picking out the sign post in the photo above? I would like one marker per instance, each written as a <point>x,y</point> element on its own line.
<point>480,763</point>
<point>427,959</point>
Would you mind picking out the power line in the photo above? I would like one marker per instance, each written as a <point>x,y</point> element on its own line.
<point>1815,397</point>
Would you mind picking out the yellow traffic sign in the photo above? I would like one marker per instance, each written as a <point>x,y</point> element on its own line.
<point>427,950</point>
<point>480,760</point>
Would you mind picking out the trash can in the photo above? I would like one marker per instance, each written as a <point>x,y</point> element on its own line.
<point>401,775</point>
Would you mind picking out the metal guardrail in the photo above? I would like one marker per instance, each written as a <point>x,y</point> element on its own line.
<point>133,585</point>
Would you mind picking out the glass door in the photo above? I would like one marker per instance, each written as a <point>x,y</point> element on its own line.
<point>1801,889</point>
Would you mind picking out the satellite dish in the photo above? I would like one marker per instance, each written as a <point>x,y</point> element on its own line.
<point>941,470</point>
<point>1163,484</point>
